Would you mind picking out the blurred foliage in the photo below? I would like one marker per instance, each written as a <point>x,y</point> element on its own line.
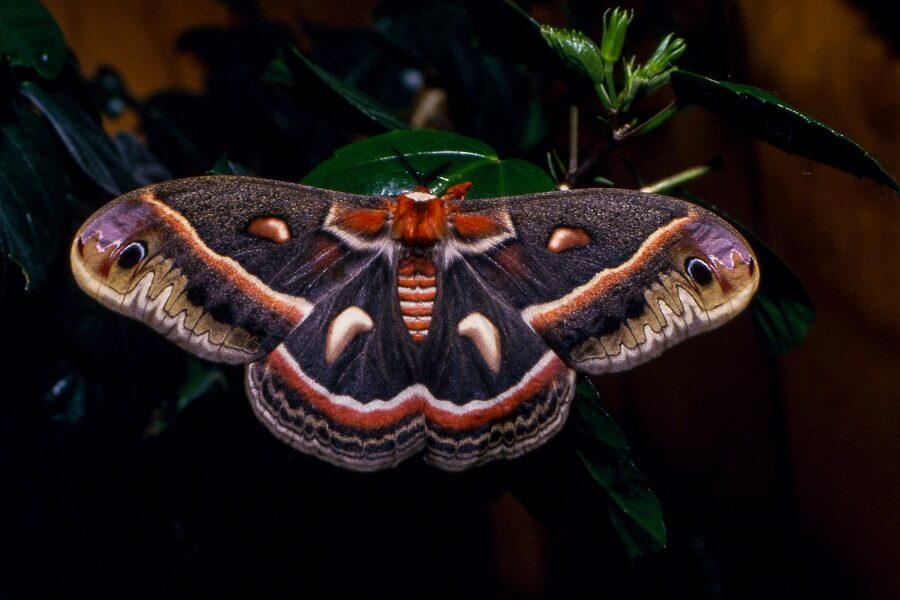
<point>271,110</point>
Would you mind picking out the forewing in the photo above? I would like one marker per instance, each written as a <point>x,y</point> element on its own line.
<point>606,276</point>
<point>224,266</point>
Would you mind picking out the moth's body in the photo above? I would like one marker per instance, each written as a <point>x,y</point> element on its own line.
<point>374,328</point>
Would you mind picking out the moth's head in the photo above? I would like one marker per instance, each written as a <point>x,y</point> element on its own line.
<point>114,245</point>
<point>719,264</point>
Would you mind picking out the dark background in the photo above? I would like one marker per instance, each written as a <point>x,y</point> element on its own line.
<point>779,477</point>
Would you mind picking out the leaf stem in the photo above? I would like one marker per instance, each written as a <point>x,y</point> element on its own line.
<point>678,179</point>
<point>623,133</point>
<point>573,140</point>
<point>604,97</point>
<point>610,84</point>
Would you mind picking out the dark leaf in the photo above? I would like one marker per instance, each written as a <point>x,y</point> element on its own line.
<point>200,379</point>
<point>109,92</point>
<point>293,70</point>
<point>633,507</point>
<point>83,137</point>
<point>226,166</point>
<point>782,307</point>
<point>764,115</point>
<point>177,126</point>
<point>32,189</point>
<point>371,166</point>
<point>29,37</point>
<point>68,397</point>
<point>137,159</point>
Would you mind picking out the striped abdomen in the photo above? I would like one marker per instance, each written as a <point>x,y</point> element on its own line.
<point>416,291</point>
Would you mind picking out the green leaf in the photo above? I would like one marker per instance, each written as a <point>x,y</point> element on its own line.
<point>226,166</point>
<point>647,78</point>
<point>633,507</point>
<point>615,27</point>
<point>201,378</point>
<point>291,69</point>
<point>669,49</point>
<point>32,189</point>
<point>83,136</point>
<point>782,307</point>
<point>29,37</point>
<point>784,318</point>
<point>764,115</point>
<point>577,50</point>
<point>372,166</point>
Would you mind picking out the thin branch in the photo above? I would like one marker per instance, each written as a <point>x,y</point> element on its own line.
<point>590,163</point>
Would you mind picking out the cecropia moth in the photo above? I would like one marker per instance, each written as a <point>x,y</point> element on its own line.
<point>373,329</point>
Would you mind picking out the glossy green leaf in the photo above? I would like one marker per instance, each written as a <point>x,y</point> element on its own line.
<point>83,136</point>
<point>577,50</point>
<point>782,307</point>
<point>764,115</point>
<point>32,189</point>
<point>372,166</point>
<point>290,69</point>
<point>29,37</point>
<point>633,507</point>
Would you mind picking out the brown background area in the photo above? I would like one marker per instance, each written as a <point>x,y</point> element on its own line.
<point>818,428</point>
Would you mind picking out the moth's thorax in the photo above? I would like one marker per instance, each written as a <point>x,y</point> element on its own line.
<point>419,219</point>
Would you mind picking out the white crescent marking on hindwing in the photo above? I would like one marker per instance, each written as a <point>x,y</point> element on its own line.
<point>485,336</point>
<point>343,329</point>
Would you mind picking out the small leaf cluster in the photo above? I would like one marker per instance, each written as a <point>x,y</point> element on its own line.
<point>601,63</point>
